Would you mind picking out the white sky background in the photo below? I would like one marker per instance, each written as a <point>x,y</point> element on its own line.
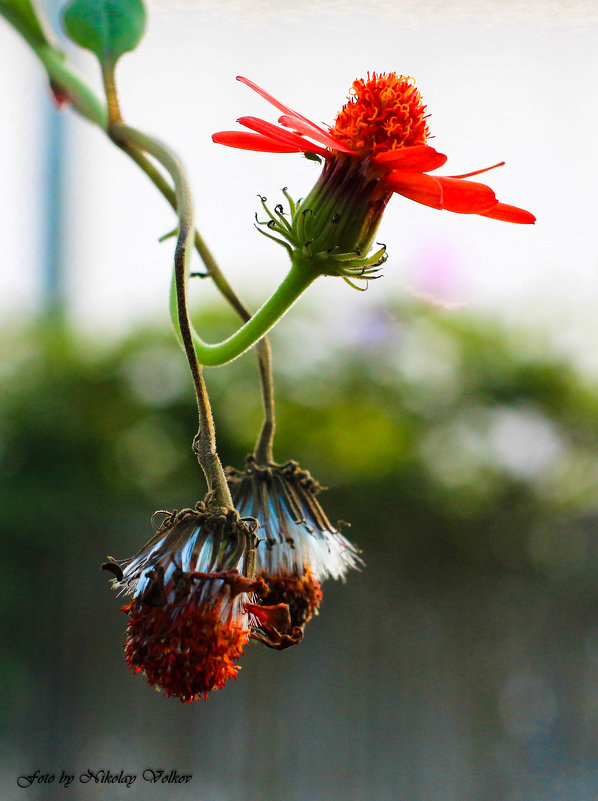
<point>514,83</point>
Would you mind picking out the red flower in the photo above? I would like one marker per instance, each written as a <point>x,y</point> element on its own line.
<point>382,127</point>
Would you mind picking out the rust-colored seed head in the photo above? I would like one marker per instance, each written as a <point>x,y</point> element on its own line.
<point>302,594</point>
<point>187,652</point>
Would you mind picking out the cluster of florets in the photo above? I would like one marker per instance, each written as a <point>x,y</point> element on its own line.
<point>193,610</point>
<point>384,112</point>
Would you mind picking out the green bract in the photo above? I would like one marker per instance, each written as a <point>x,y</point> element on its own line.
<point>108,28</point>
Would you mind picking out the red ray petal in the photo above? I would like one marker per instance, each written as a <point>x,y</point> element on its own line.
<point>419,158</point>
<point>252,141</point>
<point>276,103</point>
<point>465,197</point>
<point>281,135</point>
<point>419,187</point>
<point>317,133</point>
<point>452,194</point>
<point>506,213</point>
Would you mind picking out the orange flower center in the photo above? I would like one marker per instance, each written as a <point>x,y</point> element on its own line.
<point>385,112</point>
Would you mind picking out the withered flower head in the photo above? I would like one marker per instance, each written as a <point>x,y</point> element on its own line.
<point>192,610</point>
<point>298,546</point>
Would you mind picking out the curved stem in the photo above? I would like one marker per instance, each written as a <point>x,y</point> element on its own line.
<point>296,282</point>
<point>213,270</point>
<point>263,449</point>
<point>80,95</point>
<point>82,98</point>
<point>205,441</point>
<point>292,287</point>
<point>87,104</point>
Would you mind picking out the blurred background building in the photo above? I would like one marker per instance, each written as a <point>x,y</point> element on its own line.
<point>459,440</point>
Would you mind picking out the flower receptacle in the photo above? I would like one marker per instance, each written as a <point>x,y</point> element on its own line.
<point>331,231</point>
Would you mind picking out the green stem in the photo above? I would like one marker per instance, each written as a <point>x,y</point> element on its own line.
<point>293,286</point>
<point>296,282</point>
<point>87,104</point>
<point>213,270</point>
<point>27,20</point>
<point>263,449</point>
<point>205,442</point>
<point>82,98</point>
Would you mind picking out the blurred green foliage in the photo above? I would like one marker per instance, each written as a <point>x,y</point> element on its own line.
<point>446,436</point>
<point>465,458</point>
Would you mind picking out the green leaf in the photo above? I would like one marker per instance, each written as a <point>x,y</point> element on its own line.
<point>108,28</point>
<point>22,15</point>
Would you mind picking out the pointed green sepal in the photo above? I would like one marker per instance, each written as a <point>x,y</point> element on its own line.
<point>305,238</point>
